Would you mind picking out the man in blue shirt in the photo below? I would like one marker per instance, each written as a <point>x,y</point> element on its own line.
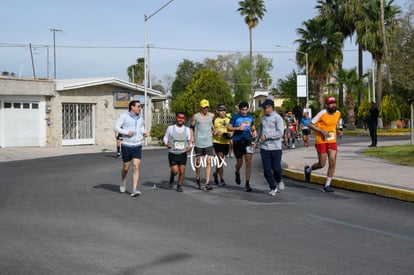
<point>242,124</point>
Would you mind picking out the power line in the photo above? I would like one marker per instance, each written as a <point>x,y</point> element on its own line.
<point>155,47</point>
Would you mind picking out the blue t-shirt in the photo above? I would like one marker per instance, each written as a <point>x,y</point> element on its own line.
<point>305,122</point>
<point>236,121</point>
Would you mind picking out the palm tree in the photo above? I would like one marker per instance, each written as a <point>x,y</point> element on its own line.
<point>252,10</point>
<point>323,43</point>
<point>334,10</point>
<point>351,82</point>
<point>370,33</point>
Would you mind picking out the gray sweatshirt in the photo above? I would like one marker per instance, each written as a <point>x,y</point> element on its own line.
<point>272,127</point>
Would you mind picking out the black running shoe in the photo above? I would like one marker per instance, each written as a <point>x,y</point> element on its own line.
<point>307,174</point>
<point>328,189</point>
<point>247,188</point>
<point>179,188</point>
<point>238,181</point>
<point>207,187</point>
<point>222,182</point>
<point>170,183</point>
<point>198,184</point>
<point>216,181</point>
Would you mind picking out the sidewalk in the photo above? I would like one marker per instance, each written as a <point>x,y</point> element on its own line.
<point>355,171</point>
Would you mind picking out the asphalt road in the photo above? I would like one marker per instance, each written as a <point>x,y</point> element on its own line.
<point>64,215</point>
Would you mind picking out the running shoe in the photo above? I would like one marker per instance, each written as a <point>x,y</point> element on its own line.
<point>273,192</point>
<point>135,193</point>
<point>247,188</point>
<point>122,188</point>
<point>216,181</point>
<point>222,182</point>
<point>170,182</point>
<point>328,189</point>
<point>207,187</point>
<point>179,188</point>
<point>238,181</point>
<point>307,174</point>
<point>281,186</point>
<point>198,184</point>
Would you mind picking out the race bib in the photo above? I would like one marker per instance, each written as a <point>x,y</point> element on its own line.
<point>331,136</point>
<point>179,145</point>
<point>249,149</point>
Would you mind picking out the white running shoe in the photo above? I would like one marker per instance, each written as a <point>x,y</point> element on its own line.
<point>281,185</point>
<point>293,145</point>
<point>273,192</point>
<point>135,193</point>
<point>122,188</point>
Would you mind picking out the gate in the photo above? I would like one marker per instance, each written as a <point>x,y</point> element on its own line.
<point>77,124</point>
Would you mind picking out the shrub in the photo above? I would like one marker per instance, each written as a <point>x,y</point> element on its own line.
<point>158,131</point>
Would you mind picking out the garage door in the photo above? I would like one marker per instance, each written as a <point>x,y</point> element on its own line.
<point>22,125</point>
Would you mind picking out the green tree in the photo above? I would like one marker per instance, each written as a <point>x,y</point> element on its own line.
<point>323,43</point>
<point>206,84</point>
<point>184,74</point>
<point>370,30</point>
<point>389,109</point>
<point>351,83</point>
<point>253,11</point>
<point>136,72</point>
<point>402,52</point>
<point>335,11</point>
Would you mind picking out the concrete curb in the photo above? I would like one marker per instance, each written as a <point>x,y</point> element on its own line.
<point>379,190</point>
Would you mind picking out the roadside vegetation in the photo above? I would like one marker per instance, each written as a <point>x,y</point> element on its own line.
<point>398,154</point>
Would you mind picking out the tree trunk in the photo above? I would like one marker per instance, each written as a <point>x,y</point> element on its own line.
<point>378,93</point>
<point>360,72</point>
<point>340,90</point>
<point>320,84</point>
<point>384,38</point>
<point>350,107</point>
<point>251,71</point>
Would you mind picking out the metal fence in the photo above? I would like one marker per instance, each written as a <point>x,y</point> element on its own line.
<point>165,118</point>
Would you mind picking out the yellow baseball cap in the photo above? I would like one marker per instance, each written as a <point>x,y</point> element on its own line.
<point>204,103</point>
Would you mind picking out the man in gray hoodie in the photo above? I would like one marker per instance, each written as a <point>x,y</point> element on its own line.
<point>132,128</point>
<point>269,138</point>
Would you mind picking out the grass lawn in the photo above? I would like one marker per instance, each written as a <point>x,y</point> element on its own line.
<point>398,154</point>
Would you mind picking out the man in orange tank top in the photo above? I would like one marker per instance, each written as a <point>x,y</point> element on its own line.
<point>325,124</point>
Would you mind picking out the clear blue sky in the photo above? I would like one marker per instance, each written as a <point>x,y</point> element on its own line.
<point>200,28</point>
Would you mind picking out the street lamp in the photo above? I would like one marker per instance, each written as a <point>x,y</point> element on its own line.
<point>146,18</point>
<point>306,69</point>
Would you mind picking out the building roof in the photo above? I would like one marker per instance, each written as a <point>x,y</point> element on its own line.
<point>76,83</point>
<point>260,93</point>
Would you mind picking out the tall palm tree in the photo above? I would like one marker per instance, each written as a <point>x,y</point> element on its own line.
<point>323,43</point>
<point>351,82</point>
<point>370,33</point>
<point>334,10</point>
<point>252,10</point>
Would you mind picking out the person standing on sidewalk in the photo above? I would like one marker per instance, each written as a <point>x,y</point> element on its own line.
<point>221,142</point>
<point>203,130</point>
<point>178,140</point>
<point>242,124</point>
<point>132,128</point>
<point>325,124</point>
<point>269,138</point>
<point>372,121</point>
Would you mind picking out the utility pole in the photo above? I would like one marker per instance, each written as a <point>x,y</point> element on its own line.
<point>54,51</point>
